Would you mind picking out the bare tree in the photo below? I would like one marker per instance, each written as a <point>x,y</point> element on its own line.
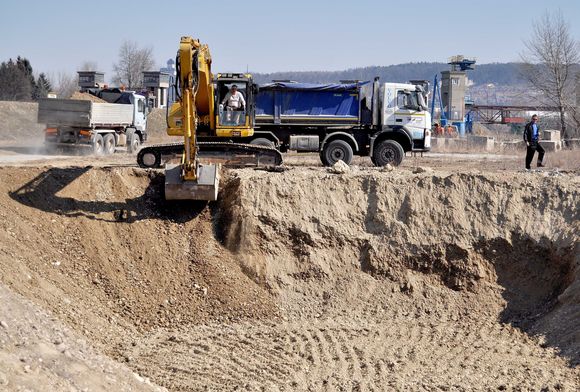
<point>550,62</point>
<point>64,84</point>
<point>575,112</point>
<point>132,62</point>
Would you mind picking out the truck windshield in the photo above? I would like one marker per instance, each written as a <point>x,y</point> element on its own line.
<point>412,101</point>
<point>415,101</point>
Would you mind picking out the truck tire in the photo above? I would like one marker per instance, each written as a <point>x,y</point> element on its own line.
<point>109,144</point>
<point>98,145</point>
<point>334,151</point>
<point>133,143</point>
<point>388,151</point>
<point>262,141</point>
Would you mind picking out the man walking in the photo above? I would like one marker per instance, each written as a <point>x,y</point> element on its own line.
<point>532,139</point>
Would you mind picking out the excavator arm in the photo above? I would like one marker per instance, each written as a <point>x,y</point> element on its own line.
<point>188,58</point>
<point>192,180</point>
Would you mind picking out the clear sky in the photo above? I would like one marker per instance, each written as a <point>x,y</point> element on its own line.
<point>267,36</point>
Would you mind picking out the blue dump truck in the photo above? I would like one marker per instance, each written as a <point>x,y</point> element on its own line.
<point>380,120</point>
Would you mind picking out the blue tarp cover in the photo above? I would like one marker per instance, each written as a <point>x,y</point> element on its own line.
<point>312,86</point>
<point>307,99</point>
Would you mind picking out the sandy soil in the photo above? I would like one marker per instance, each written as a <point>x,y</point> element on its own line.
<point>306,280</point>
<point>454,272</point>
<point>39,353</point>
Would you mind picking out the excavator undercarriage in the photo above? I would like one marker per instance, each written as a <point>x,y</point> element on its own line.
<point>228,154</point>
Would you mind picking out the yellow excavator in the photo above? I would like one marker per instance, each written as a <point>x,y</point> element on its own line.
<point>198,94</point>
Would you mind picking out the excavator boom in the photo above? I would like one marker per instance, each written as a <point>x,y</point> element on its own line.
<point>191,180</point>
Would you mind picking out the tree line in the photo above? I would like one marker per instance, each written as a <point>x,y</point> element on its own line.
<point>498,73</point>
<point>18,81</point>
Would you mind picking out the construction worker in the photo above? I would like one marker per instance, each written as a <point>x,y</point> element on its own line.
<point>235,102</point>
<point>450,131</point>
<point>532,139</point>
<point>438,129</point>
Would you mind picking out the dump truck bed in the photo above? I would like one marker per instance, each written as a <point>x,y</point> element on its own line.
<point>81,113</point>
<point>311,104</point>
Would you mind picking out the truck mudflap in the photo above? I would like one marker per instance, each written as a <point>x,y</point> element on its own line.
<point>227,153</point>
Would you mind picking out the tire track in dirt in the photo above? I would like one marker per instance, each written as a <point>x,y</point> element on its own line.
<point>334,354</point>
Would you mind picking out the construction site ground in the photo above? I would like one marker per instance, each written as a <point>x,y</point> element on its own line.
<point>452,272</point>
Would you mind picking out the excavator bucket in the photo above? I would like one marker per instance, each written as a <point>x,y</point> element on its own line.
<point>205,188</point>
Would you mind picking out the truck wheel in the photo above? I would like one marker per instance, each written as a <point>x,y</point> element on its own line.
<point>109,144</point>
<point>388,151</point>
<point>262,141</point>
<point>133,143</point>
<point>98,145</point>
<point>334,151</point>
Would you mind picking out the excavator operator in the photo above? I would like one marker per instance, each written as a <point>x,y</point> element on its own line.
<point>235,102</point>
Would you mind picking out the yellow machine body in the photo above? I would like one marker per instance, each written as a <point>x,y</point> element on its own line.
<point>190,180</point>
<point>199,111</point>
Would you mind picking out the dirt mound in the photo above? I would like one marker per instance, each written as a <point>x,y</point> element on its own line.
<point>18,122</point>
<point>110,257</point>
<point>307,280</point>
<point>157,127</point>
<point>86,97</point>
<point>39,353</point>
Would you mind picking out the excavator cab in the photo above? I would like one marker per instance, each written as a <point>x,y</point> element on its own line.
<point>234,121</point>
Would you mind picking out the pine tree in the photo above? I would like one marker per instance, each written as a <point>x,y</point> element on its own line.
<point>26,68</point>
<point>14,82</point>
<point>43,87</point>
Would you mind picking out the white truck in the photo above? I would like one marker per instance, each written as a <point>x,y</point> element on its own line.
<point>380,120</point>
<point>120,121</point>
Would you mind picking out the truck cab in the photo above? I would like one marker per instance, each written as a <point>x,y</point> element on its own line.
<point>234,122</point>
<point>139,103</point>
<point>404,108</point>
<point>140,112</point>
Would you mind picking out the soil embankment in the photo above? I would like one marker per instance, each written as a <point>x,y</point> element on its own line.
<point>305,279</point>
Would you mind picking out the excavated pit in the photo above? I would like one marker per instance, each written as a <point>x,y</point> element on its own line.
<point>509,241</point>
<point>306,279</point>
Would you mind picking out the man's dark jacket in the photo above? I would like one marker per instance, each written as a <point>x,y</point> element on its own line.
<point>529,133</point>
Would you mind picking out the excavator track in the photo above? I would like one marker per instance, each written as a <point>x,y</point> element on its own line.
<point>227,153</point>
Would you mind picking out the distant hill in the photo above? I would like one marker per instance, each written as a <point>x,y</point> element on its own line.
<point>504,74</point>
